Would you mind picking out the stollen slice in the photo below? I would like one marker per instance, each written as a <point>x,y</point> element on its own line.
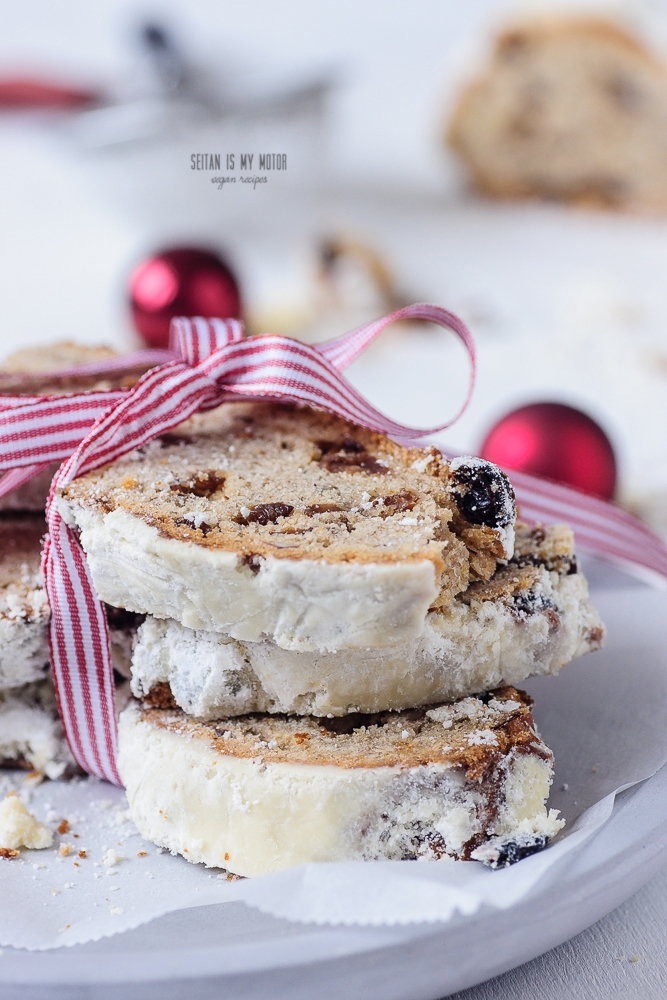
<point>24,608</point>
<point>278,522</point>
<point>532,617</point>
<point>261,792</point>
<point>31,736</point>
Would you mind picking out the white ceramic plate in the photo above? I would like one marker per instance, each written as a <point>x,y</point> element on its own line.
<point>233,951</point>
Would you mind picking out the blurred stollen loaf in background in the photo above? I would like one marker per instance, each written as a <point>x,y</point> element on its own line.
<point>570,108</point>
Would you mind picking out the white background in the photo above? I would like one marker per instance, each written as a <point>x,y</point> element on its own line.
<point>564,305</point>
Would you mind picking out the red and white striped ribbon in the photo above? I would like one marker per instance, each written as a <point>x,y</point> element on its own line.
<point>217,364</point>
<point>38,430</point>
<point>600,528</point>
<point>211,363</point>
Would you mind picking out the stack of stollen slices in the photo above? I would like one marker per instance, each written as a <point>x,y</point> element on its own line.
<point>31,735</point>
<point>334,628</point>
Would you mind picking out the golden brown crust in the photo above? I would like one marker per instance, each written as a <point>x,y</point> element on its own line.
<point>160,696</point>
<point>36,369</point>
<point>477,734</point>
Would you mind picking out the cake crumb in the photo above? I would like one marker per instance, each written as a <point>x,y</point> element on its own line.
<point>19,828</point>
<point>111,858</point>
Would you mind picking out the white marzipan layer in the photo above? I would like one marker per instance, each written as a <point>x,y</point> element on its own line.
<point>300,605</point>
<point>24,651</point>
<point>30,729</point>
<point>462,650</point>
<point>24,619</point>
<point>252,817</point>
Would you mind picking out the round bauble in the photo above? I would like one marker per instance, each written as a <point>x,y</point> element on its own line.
<point>556,442</point>
<point>184,281</point>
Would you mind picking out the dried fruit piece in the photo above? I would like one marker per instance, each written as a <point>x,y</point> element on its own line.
<point>195,521</point>
<point>348,455</point>
<point>346,444</point>
<point>361,462</point>
<point>202,484</point>
<point>262,513</point>
<point>399,502</point>
<point>484,493</point>
<point>322,508</point>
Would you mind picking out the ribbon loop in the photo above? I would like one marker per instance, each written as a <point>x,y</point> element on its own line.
<point>196,338</point>
<point>341,351</point>
<point>211,362</point>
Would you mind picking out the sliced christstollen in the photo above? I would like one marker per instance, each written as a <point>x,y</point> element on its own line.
<point>31,735</point>
<point>262,792</point>
<point>265,521</point>
<point>24,608</point>
<point>30,732</point>
<point>532,617</point>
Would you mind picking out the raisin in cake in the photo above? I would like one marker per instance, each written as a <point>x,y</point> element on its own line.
<point>269,521</point>
<point>260,793</point>
<point>569,108</point>
<point>532,617</point>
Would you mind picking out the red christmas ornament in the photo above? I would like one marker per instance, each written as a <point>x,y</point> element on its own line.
<point>180,282</point>
<point>556,442</point>
<point>23,93</point>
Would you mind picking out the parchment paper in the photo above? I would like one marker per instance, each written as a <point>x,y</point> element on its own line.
<point>604,716</point>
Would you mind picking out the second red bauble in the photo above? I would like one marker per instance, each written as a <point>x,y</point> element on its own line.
<point>557,442</point>
<point>184,281</point>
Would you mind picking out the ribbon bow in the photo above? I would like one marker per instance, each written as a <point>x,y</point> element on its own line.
<point>214,363</point>
<point>210,363</point>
